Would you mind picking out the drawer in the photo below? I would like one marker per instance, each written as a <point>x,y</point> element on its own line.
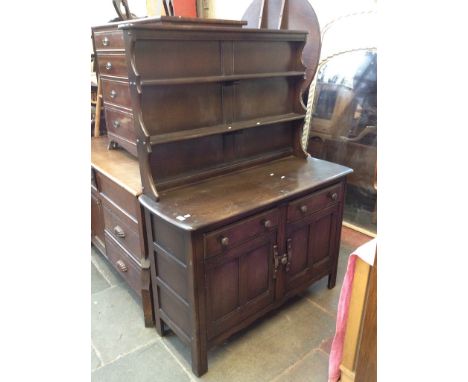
<point>109,40</point>
<point>123,142</point>
<point>237,233</point>
<point>314,202</point>
<point>111,192</point>
<point>120,123</point>
<point>116,93</point>
<point>120,260</point>
<point>112,65</point>
<point>123,229</point>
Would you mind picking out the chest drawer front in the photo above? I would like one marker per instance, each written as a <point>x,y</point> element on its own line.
<point>108,40</point>
<point>112,65</point>
<point>116,93</point>
<point>237,233</point>
<point>120,123</point>
<point>121,261</point>
<point>123,229</point>
<point>113,193</point>
<point>315,202</point>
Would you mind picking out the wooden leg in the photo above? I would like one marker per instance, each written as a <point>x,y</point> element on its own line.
<point>147,298</point>
<point>199,358</point>
<point>332,279</point>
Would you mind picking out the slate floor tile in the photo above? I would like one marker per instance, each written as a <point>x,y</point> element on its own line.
<point>312,368</point>
<point>101,263</point>
<point>117,325</point>
<point>149,364</point>
<point>98,282</point>
<point>95,361</point>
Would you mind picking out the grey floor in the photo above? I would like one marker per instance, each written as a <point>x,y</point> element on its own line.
<point>290,344</point>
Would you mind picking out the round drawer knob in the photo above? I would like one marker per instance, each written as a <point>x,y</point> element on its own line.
<point>333,196</point>
<point>105,41</point>
<point>116,124</point>
<point>284,260</point>
<point>119,231</point>
<point>113,94</point>
<point>303,208</point>
<point>108,66</point>
<point>122,266</point>
<point>224,241</point>
<point>267,223</point>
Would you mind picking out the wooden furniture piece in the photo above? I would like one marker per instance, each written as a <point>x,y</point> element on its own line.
<point>292,15</point>
<point>112,70</point>
<point>238,217</point>
<point>359,361</point>
<point>117,223</point>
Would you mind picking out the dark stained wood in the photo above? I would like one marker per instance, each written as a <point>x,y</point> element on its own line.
<point>218,118</point>
<point>116,165</point>
<point>248,190</point>
<point>117,224</point>
<point>293,15</point>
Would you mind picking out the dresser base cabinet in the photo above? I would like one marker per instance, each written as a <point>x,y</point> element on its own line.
<point>213,278</point>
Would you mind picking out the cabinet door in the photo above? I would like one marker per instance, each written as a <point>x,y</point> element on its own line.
<point>239,283</point>
<point>97,220</point>
<point>311,248</point>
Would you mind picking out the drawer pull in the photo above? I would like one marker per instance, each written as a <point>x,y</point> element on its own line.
<point>267,223</point>
<point>224,241</point>
<point>121,265</point>
<point>105,41</point>
<point>303,208</point>
<point>116,124</point>
<point>333,196</point>
<point>108,66</point>
<point>113,94</point>
<point>119,231</point>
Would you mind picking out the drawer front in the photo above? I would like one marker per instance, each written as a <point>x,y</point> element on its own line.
<point>121,261</point>
<point>112,192</point>
<point>237,233</point>
<point>120,123</point>
<point>315,202</point>
<point>108,40</point>
<point>112,65</point>
<point>116,93</point>
<point>130,146</point>
<point>123,230</point>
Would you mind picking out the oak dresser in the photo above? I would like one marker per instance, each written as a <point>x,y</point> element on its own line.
<point>239,218</point>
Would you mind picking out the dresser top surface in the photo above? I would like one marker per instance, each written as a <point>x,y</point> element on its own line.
<point>243,192</point>
<point>117,165</point>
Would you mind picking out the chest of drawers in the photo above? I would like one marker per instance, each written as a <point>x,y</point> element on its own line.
<point>117,224</point>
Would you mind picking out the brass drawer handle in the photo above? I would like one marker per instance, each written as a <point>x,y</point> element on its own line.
<point>113,94</point>
<point>303,208</point>
<point>108,66</point>
<point>224,241</point>
<point>267,223</point>
<point>121,265</point>
<point>105,41</point>
<point>116,124</point>
<point>119,231</point>
<point>333,196</point>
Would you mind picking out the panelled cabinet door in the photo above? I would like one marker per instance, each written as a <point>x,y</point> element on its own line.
<point>239,283</point>
<point>310,247</point>
<point>97,219</point>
